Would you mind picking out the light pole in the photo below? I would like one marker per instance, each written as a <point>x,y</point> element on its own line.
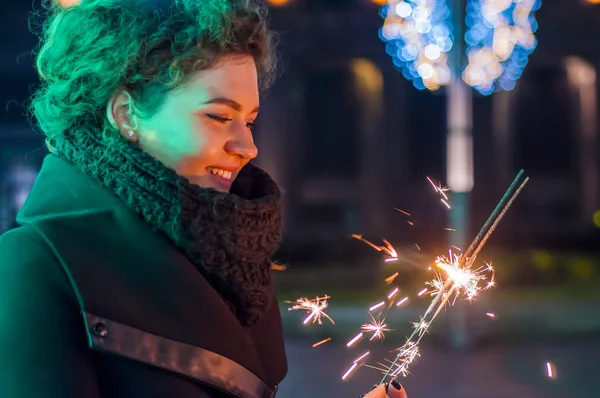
<point>459,155</point>
<point>483,44</point>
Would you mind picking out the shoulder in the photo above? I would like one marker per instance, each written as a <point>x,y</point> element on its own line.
<point>22,249</point>
<point>29,266</point>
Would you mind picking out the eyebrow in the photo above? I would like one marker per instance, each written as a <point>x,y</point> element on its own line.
<point>230,103</point>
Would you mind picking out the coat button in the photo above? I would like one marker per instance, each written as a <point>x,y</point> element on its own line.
<point>99,329</point>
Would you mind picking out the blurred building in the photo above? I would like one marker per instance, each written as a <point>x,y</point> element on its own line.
<point>349,139</point>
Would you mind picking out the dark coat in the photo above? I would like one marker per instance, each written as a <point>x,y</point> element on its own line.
<point>94,303</point>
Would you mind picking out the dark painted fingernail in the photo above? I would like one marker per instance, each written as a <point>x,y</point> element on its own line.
<point>374,386</point>
<point>396,385</point>
<point>386,387</point>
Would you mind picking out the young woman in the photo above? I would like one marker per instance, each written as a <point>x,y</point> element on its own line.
<point>141,267</point>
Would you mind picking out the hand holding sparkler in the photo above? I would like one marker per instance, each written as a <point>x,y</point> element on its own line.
<point>392,390</point>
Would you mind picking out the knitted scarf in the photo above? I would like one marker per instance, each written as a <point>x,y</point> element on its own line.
<point>229,237</point>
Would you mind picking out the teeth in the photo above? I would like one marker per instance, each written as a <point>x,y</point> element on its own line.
<point>220,172</point>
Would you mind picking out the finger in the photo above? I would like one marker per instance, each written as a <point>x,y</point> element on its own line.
<point>378,392</point>
<point>395,390</point>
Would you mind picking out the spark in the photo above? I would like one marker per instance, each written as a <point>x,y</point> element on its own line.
<point>377,327</point>
<point>374,307</point>
<point>465,281</point>
<point>421,326</point>
<point>418,248</point>
<point>408,353</point>
<point>439,188</point>
<point>321,342</point>
<point>490,314</point>
<point>450,229</point>
<point>361,357</point>
<point>446,203</point>
<point>354,365</point>
<point>387,248</point>
<point>410,223</point>
<point>456,248</point>
<point>391,278</point>
<point>278,267</point>
<point>402,211</point>
<point>315,308</point>
<point>550,370</point>
<point>422,292</point>
<point>404,300</point>
<point>354,340</point>
<point>393,293</point>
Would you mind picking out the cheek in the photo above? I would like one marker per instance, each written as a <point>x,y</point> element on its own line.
<point>204,144</point>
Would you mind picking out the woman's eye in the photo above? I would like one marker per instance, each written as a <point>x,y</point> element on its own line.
<point>219,119</point>
<point>250,125</point>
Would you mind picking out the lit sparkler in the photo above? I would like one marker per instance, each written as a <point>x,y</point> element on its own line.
<point>460,279</point>
<point>315,308</point>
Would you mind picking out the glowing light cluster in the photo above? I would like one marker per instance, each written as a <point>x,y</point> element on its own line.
<point>418,36</point>
<point>499,38</point>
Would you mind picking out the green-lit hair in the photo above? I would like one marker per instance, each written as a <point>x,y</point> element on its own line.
<point>91,50</point>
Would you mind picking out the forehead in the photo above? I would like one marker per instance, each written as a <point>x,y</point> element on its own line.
<point>233,77</point>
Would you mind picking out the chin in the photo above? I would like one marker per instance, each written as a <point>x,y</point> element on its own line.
<point>210,182</point>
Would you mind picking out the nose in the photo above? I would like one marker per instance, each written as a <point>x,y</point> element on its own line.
<point>242,145</point>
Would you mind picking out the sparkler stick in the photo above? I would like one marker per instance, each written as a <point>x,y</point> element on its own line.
<point>409,351</point>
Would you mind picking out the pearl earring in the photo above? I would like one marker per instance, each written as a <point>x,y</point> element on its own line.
<point>130,133</point>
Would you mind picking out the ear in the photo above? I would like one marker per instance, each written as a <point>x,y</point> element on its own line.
<point>120,113</point>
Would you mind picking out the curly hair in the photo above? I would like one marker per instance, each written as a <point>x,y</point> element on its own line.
<point>91,50</point>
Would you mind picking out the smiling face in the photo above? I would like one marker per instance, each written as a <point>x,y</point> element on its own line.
<point>202,130</point>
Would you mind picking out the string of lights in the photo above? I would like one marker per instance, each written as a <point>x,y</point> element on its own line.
<point>499,39</point>
<point>418,36</point>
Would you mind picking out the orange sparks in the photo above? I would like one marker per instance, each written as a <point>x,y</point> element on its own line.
<point>391,278</point>
<point>456,248</point>
<point>387,249</point>
<point>392,293</point>
<point>412,224</point>
<point>318,343</point>
<point>422,292</point>
<point>403,301</point>
<point>354,340</point>
<point>417,246</point>
<point>450,229</point>
<point>374,307</point>
<point>490,314</point>
<point>278,267</point>
<point>402,211</point>
<point>354,365</point>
